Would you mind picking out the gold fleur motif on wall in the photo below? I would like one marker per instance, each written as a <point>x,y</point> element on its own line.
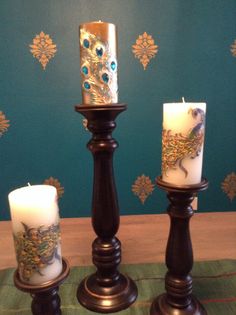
<point>145,49</point>
<point>229,185</point>
<point>55,182</point>
<point>233,48</point>
<point>143,187</point>
<point>43,48</point>
<point>4,123</point>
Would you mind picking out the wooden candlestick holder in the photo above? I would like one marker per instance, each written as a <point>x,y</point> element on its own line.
<point>46,300</point>
<point>178,299</point>
<point>107,290</point>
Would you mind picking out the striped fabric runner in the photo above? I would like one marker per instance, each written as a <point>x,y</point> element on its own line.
<point>214,285</point>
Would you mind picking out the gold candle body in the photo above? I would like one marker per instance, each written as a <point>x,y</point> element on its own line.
<point>98,63</point>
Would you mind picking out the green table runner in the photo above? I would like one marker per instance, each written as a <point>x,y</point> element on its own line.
<point>214,285</point>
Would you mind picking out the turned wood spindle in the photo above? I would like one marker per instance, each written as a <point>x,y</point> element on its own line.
<point>178,299</point>
<point>107,290</point>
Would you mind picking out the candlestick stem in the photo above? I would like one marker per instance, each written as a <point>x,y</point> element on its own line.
<point>178,298</point>
<point>107,290</point>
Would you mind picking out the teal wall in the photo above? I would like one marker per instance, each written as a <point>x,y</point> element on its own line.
<point>46,136</point>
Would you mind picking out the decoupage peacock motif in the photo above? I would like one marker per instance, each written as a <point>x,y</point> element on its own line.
<point>98,69</point>
<point>36,248</point>
<point>177,147</point>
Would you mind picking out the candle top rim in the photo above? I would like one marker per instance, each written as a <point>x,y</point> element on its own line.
<point>39,190</point>
<point>96,22</point>
<point>183,103</point>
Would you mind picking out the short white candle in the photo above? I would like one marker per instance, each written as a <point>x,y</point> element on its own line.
<point>35,221</point>
<point>182,142</point>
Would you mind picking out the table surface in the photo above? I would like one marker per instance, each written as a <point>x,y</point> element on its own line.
<point>143,238</point>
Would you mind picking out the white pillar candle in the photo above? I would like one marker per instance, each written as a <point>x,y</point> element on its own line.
<point>182,142</point>
<point>35,221</point>
<point>98,63</point>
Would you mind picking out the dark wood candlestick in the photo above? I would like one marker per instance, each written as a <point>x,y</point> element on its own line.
<point>107,290</point>
<point>46,300</point>
<point>178,299</point>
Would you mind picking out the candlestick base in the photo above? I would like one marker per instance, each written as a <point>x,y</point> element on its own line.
<point>160,306</point>
<point>107,299</point>
<point>46,300</point>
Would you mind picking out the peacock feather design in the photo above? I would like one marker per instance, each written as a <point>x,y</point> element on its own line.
<point>36,248</point>
<point>177,147</point>
<point>98,69</point>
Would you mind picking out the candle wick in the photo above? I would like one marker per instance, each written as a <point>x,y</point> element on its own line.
<point>183,100</point>
<point>28,184</point>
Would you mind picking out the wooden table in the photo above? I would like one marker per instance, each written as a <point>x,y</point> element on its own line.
<point>143,238</point>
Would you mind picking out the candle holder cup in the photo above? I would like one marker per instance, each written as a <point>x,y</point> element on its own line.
<point>107,290</point>
<point>178,298</point>
<point>46,300</point>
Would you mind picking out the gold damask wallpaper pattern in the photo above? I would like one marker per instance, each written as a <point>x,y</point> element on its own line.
<point>43,48</point>
<point>145,49</point>
<point>229,185</point>
<point>143,187</point>
<point>233,48</point>
<point>55,182</point>
<point>4,123</point>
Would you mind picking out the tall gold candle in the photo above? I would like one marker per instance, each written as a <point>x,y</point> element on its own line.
<point>98,63</point>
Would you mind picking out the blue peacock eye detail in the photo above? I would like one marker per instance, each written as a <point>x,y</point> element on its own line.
<point>105,77</point>
<point>87,86</point>
<point>85,70</point>
<point>99,51</point>
<point>113,65</point>
<point>86,43</point>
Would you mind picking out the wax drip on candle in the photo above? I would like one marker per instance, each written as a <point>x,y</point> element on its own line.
<point>183,100</point>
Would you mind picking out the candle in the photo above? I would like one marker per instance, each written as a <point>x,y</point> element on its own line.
<point>98,63</point>
<point>36,232</point>
<point>182,142</point>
